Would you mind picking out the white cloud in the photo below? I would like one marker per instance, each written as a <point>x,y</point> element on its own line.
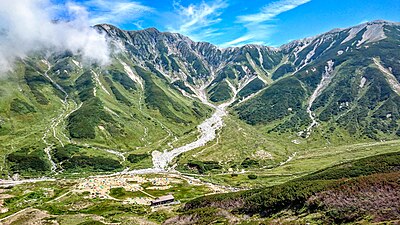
<point>255,24</point>
<point>195,20</point>
<point>271,10</point>
<point>115,11</point>
<point>27,26</point>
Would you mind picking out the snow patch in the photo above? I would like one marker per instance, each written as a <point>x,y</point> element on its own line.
<point>131,74</point>
<point>363,82</point>
<point>78,64</point>
<point>260,57</point>
<point>97,79</point>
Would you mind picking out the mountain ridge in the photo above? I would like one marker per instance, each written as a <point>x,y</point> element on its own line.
<point>339,86</point>
<point>334,30</point>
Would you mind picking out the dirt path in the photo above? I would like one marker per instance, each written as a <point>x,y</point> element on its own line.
<point>12,215</point>
<point>8,183</point>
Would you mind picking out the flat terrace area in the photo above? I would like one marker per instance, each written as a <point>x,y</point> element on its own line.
<point>139,189</point>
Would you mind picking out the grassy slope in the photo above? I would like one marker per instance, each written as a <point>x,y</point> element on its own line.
<point>127,126</point>
<point>349,192</point>
<point>311,155</point>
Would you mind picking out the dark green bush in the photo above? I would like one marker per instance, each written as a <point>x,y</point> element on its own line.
<point>252,176</point>
<point>21,107</point>
<point>249,163</point>
<point>203,167</point>
<point>221,92</point>
<point>61,154</point>
<point>95,163</point>
<point>83,122</point>
<point>28,161</point>
<point>156,98</point>
<point>274,102</point>
<point>135,158</point>
<point>123,79</point>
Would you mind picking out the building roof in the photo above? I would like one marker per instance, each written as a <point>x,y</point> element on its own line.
<point>163,198</point>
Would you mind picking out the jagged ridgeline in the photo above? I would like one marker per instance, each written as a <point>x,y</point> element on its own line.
<point>153,94</point>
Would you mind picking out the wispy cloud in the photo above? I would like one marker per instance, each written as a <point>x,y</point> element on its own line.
<point>115,11</point>
<point>27,26</point>
<point>196,20</point>
<point>257,27</point>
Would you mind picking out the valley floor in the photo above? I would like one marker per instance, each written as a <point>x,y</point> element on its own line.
<point>72,201</point>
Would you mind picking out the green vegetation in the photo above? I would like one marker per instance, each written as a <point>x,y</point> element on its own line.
<point>28,161</point>
<point>325,193</point>
<point>74,159</point>
<point>252,176</point>
<point>84,84</point>
<point>180,84</point>
<point>384,163</point>
<point>83,122</point>
<point>227,72</point>
<point>35,81</point>
<point>95,163</point>
<point>203,167</point>
<point>120,193</point>
<point>251,88</point>
<point>201,216</point>
<point>220,92</point>
<point>278,98</point>
<point>61,154</point>
<point>282,71</point>
<point>118,95</point>
<point>157,98</point>
<point>93,222</point>
<point>123,79</point>
<point>21,107</point>
<point>249,163</point>
<point>135,158</point>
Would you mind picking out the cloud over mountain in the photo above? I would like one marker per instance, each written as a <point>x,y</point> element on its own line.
<point>27,26</point>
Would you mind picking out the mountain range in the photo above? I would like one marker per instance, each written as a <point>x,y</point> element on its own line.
<point>58,113</point>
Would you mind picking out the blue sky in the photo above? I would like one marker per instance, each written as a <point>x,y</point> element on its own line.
<point>237,22</point>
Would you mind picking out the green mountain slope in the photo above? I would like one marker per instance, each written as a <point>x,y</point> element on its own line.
<point>338,87</point>
<point>361,191</point>
<point>344,83</point>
